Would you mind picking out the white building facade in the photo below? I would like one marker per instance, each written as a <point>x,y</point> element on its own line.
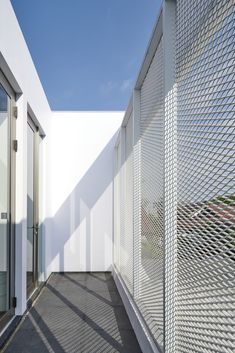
<point>148,194</point>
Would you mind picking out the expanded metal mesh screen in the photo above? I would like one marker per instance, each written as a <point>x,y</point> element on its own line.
<point>206,177</point>
<point>150,296</point>
<point>187,265</point>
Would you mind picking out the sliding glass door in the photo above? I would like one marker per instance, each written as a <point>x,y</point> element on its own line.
<point>7,177</point>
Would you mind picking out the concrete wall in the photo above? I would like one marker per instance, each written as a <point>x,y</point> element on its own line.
<point>81,190</point>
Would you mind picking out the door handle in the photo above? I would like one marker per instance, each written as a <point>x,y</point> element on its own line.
<point>35,228</point>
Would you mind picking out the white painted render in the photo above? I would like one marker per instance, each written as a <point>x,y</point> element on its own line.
<point>81,190</point>
<point>17,65</point>
<point>76,170</point>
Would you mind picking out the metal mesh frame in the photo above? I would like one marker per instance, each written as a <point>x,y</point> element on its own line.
<point>126,237</point>
<point>183,164</point>
<point>206,178</point>
<point>117,218</point>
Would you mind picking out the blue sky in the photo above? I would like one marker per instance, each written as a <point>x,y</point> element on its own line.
<point>87,52</point>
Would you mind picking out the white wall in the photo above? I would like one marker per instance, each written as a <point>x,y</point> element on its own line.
<point>18,67</point>
<point>81,190</point>
<point>76,161</point>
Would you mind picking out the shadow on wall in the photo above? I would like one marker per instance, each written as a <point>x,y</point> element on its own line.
<point>85,219</point>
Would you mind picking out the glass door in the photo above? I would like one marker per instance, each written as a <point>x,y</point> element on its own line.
<point>32,207</point>
<point>7,192</point>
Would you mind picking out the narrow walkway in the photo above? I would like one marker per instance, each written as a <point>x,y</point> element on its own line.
<point>76,313</point>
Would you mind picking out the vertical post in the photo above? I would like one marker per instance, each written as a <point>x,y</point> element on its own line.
<point>119,201</point>
<point>12,205</point>
<point>21,208</point>
<point>122,196</point>
<point>170,173</point>
<point>117,206</point>
<point>115,174</point>
<point>36,204</point>
<point>137,192</point>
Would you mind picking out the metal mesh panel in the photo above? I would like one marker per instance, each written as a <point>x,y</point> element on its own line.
<point>206,178</point>
<point>126,260</point>
<point>150,298</point>
<point>199,293</point>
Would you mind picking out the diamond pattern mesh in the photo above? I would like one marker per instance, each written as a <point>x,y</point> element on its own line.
<point>206,177</point>
<point>199,263</point>
<point>150,297</point>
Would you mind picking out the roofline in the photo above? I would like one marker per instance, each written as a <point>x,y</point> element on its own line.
<point>128,112</point>
<point>151,49</point>
<point>148,57</point>
<point>87,111</point>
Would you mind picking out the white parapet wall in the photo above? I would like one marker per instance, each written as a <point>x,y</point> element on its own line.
<point>81,148</point>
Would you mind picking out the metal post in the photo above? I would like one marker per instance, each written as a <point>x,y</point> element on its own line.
<point>170,191</point>
<point>137,192</point>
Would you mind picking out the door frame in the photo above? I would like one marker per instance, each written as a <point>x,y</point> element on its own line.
<point>35,166</point>
<point>11,199</point>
